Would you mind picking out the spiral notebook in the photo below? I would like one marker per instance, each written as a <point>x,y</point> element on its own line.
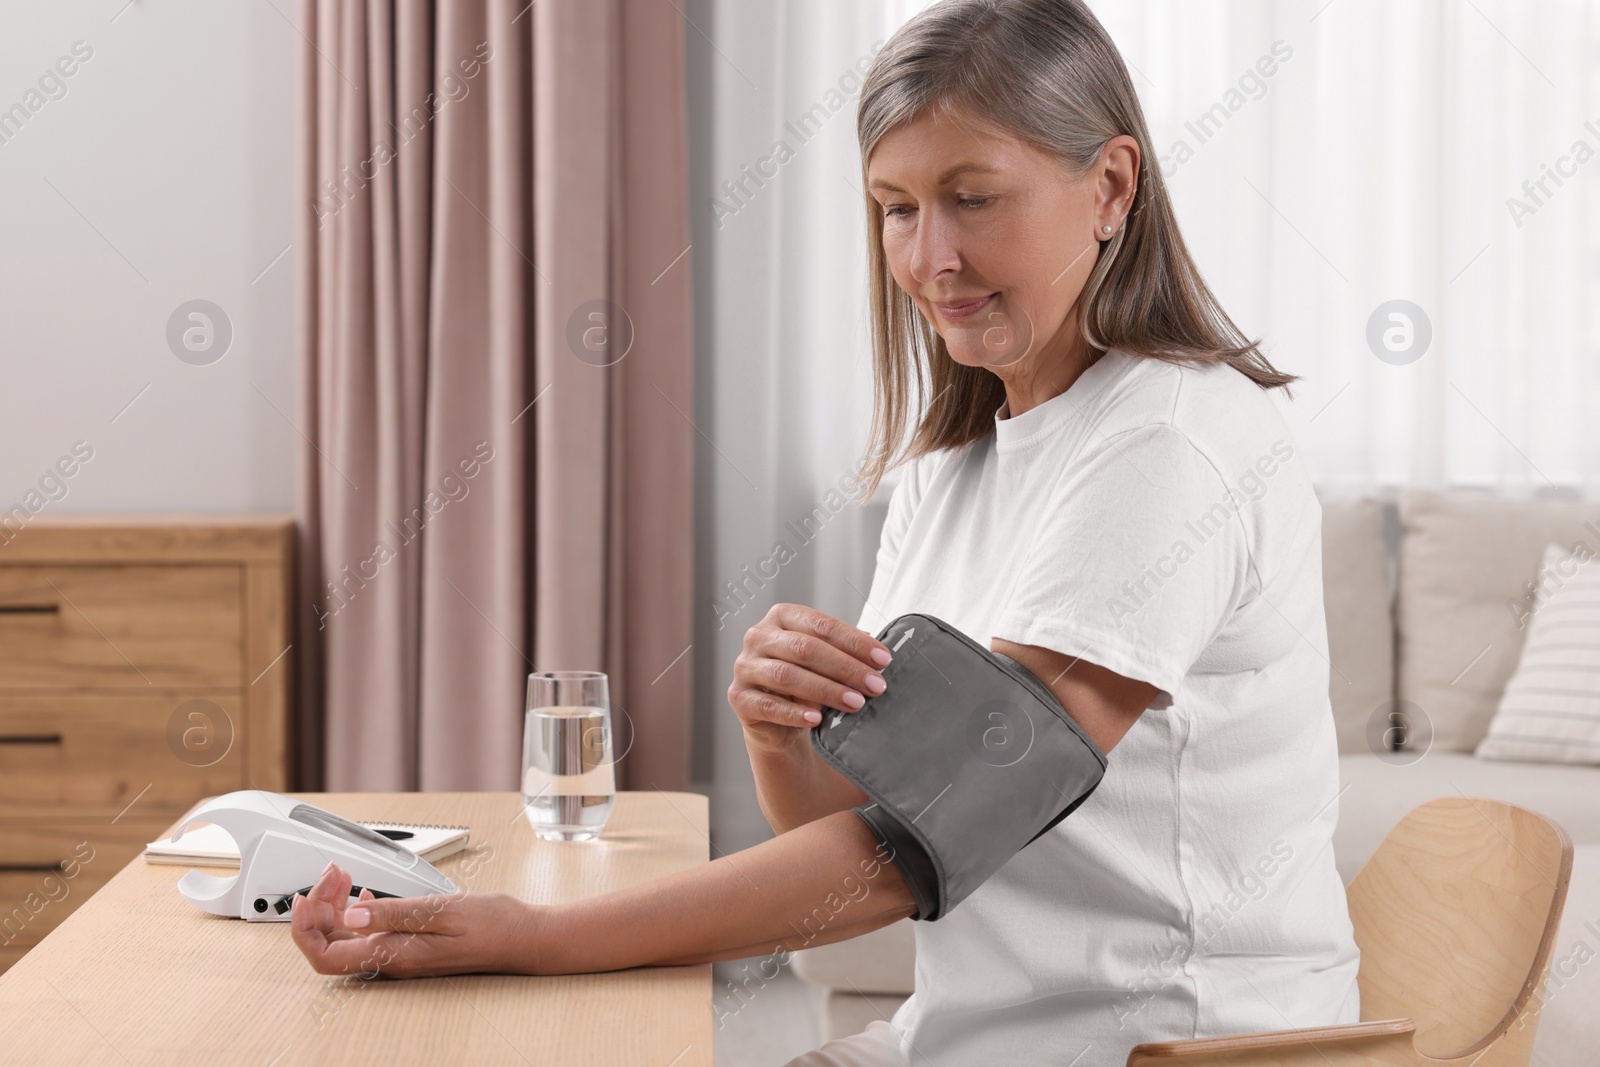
<point>209,845</point>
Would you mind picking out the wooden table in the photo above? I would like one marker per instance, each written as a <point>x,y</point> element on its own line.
<point>139,975</point>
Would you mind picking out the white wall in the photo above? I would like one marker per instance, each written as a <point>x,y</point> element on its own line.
<point>163,173</point>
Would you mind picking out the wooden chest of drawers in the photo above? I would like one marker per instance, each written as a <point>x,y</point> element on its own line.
<point>145,662</point>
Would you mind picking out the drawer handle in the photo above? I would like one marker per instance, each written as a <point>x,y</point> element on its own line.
<point>30,609</point>
<point>31,868</point>
<point>30,739</point>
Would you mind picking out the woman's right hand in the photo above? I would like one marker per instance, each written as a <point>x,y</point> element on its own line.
<point>795,661</point>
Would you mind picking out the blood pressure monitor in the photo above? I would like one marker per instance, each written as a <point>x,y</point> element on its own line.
<point>284,846</point>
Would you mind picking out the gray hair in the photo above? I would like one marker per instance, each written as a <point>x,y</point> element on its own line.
<point>1047,73</point>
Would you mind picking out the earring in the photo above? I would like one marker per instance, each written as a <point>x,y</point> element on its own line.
<point>1107,229</point>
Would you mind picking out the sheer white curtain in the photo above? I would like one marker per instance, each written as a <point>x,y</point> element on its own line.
<point>784,400</point>
<point>1374,163</point>
<point>1384,159</point>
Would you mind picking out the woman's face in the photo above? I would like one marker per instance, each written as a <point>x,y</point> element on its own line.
<point>994,238</point>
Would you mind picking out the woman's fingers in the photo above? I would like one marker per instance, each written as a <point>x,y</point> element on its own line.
<point>861,645</point>
<point>816,654</point>
<point>431,914</point>
<point>802,685</point>
<point>316,926</point>
<point>797,661</point>
<point>338,937</point>
<point>332,950</point>
<point>757,705</point>
<point>331,889</point>
<point>326,902</point>
<point>409,937</point>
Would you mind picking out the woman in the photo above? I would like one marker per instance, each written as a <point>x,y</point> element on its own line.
<point>1099,485</point>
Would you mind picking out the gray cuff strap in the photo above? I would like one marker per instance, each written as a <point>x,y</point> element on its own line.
<point>966,758</point>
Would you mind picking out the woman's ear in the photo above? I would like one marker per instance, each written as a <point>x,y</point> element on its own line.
<point>1118,183</point>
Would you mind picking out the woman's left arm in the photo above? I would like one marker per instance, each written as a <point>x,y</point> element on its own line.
<point>821,882</point>
<point>1103,702</point>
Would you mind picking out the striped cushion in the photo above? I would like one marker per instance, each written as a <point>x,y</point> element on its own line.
<point>1550,710</point>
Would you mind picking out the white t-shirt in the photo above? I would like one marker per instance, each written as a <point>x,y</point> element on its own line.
<point>1153,519</point>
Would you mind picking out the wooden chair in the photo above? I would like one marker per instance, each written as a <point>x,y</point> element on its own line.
<point>1455,916</point>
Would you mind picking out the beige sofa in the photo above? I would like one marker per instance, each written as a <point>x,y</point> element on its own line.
<point>1420,596</point>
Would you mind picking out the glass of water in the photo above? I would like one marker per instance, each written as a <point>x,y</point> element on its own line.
<point>568,783</point>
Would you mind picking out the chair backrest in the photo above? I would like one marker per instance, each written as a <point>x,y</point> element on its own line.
<point>1455,915</point>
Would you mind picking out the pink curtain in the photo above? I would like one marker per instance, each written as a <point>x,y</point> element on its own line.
<point>496,384</point>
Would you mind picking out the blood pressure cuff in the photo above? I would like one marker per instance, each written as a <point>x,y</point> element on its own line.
<point>966,758</point>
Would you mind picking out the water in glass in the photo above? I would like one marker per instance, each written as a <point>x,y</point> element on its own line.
<point>568,780</point>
